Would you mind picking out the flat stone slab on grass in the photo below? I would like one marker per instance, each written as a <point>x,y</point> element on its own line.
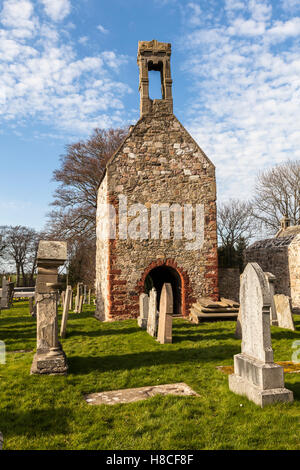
<point>129,395</point>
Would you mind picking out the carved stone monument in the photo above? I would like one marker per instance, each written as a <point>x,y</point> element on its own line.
<point>49,357</point>
<point>284,312</point>
<point>153,314</point>
<point>255,374</point>
<point>144,311</point>
<point>164,334</point>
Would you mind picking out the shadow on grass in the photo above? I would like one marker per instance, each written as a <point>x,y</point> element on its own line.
<point>295,387</point>
<point>36,422</point>
<point>287,334</point>
<point>84,365</point>
<point>99,333</point>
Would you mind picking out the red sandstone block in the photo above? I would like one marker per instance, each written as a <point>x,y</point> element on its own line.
<point>118,282</point>
<point>115,271</point>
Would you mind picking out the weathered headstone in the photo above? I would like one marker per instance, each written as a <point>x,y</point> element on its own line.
<point>89,297</point>
<point>153,314</point>
<point>284,312</point>
<point>270,278</point>
<point>79,310</point>
<point>77,298</point>
<point>144,310</point>
<point>165,322</point>
<point>31,305</point>
<point>1,441</point>
<point>255,374</point>
<point>64,319</point>
<point>71,299</point>
<point>84,294</point>
<point>238,328</point>
<point>49,357</point>
<point>63,295</point>
<point>7,293</point>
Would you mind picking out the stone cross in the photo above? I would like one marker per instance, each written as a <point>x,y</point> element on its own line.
<point>152,316</point>
<point>64,320</point>
<point>164,334</point>
<point>144,310</point>
<point>270,278</point>
<point>49,357</point>
<point>255,374</point>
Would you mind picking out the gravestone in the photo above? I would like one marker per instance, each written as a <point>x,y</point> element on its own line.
<point>84,294</point>
<point>164,334</point>
<point>49,357</point>
<point>284,312</point>
<point>238,328</point>
<point>79,310</point>
<point>89,296</point>
<point>63,295</point>
<point>144,310</point>
<point>7,293</point>
<point>270,278</point>
<point>31,306</point>
<point>152,315</point>
<point>71,299</point>
<point>1,441</point>
<point>255,374</point>
<point>77,298</point>
<point>64,320</point>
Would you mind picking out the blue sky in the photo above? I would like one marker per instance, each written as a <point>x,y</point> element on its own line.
<point>69,66</point>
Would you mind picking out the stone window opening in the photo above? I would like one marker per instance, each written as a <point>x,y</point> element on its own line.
<point>157,277</point>
<point>156,88</point>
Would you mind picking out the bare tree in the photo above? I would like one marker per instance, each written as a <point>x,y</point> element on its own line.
<point>20,243</point>
<point>236,226</point>
<point>79,176</point>
<point>235,222</point>
<point>277,194</point>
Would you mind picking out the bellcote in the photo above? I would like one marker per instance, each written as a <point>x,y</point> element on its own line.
<point>154,55</point>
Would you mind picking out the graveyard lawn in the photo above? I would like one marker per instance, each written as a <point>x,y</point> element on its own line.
<point>49,412</point>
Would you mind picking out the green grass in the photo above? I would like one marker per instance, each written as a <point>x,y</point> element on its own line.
<point>49,412</point>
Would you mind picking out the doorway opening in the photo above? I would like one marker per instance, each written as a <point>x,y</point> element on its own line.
<point>157,277</point>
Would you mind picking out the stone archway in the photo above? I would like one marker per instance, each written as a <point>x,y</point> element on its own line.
<point>168,271</point>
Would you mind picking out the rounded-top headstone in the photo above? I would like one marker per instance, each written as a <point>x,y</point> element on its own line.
<point>255,304</point>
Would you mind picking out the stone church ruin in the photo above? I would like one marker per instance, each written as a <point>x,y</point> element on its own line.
<point>159,170</point>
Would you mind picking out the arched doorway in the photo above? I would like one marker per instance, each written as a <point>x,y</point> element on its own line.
<point>158,276</point>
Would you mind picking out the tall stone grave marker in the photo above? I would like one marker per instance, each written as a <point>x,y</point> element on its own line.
<point>164,334</point>
<point>64,320</point>
<point>7,293</point>
<point>144,311</point>
<point>153,315</point>
<point>49,357</point>
<point>284,312</point>
<point>255,374</point>
<point>270,278</point>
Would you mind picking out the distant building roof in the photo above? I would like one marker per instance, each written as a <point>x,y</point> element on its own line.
<point>272,243</point>
<point>293,230</point>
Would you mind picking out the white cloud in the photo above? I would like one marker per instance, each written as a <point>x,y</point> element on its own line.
<point>246,94</point>
<point>102,29</point>
<point>17,15</point>
<point>83,39</point>
<point>57,9</point>
<point>234,5</point>
<point>44,78</point>
<point>291,5</point>
<point>242,27</point>
<point>260,10</point>
<point>282,30</point>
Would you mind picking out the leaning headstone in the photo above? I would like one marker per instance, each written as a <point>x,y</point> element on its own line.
<point>144,310</point>
<point>153,315</point>
<point>164,334</point>
<point>270,278</point>
<point>49,357</point>
<point>64,320</point>
<point>255,374</point>
<point>284,312</point>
